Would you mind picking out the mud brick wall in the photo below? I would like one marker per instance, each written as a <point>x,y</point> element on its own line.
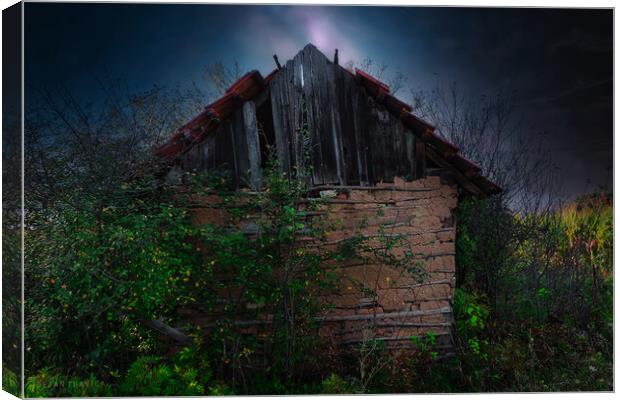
<point>387,303</point>
<point>384,302</point>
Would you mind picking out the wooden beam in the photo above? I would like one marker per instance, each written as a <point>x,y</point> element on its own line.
<point>173,333</point>
<point>462,179</point>
<point>391,338</point>
<point>468,168</point>
<point>275,58</point>
<point>250,128</point>
<point>368,188</point>
<point>360,317</point>
<point>398,314</point>
<point>280,117</point>
<point>420,160</point>
<point>488,186</point>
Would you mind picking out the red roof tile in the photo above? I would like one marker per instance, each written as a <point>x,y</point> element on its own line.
<point>269,77</point>
<point>374,85</point>
<point>245,88</point>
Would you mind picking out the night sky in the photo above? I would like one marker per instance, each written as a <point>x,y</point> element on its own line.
<point>559,61</point>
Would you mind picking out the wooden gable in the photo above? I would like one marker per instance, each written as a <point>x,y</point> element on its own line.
<point>352,139</point>
<point>346,126</point>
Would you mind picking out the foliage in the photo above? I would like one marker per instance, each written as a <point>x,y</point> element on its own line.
<point>11,244</point>
<point>532,311</point>
<point>544,322</point>
<point>11,287</point>
<point>471,317</point>
<point>267,272</point>
<point>49,383</point>
<point>10,381</point>
<point>148,376</point>
<point>334,384</point>
<point>96,274</point>
<point>486,234</point>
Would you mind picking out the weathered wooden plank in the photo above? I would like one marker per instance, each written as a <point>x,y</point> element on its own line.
<point>399,147</point>
<point>253,144</point>
<point>174,333</point>
<point>298,117</point>
<point>382,143</point>
<point>298,111</point>
<point>420,159</point>
<point>313,113</point>
<point>315,144</point>
<point>208,150</point>
<point>191,160</point>
<point>391,338</point>
<point>279,110</point>
<point>360,317</point>
<point>370,188</point>
<point>223,154</point>
<point>215,152</point>
<point>345,87</point>
<point>410,154</point>
<point>466,183</point>
<point>336,129</point>
<point>316,88</point>
<point>274,97</point>
<point>396,314</point>
<point>239,148</point>
<point>354,139</point>
<point>361,113</point>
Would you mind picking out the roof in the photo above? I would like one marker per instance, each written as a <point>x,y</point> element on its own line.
<point>206,122</point>
<point>441,151</point>
<point>446,154</point>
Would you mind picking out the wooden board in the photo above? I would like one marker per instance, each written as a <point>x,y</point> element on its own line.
<point>354,140</point>
<point>234,147</point>
<point>323,118</point>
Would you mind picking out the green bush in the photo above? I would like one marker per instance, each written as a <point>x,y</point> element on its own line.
<point>543,322</point>
<point>49,383</point>
<point>471,317</point>
<point>10,381</point>
<point>94,277</point>
<point>334,384</point>
<point>148,376</point>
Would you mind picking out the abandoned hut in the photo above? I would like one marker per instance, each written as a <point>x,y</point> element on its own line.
<point>368,152</point>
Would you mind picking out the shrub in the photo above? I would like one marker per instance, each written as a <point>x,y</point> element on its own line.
<point>10,381</point>
<point>148,376</point>
<point>334,384</point>
<point>96,275</point>
<point>543,322</point>
<point>50,383</point>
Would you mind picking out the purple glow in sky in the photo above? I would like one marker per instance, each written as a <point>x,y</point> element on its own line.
<point>285,32</point>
